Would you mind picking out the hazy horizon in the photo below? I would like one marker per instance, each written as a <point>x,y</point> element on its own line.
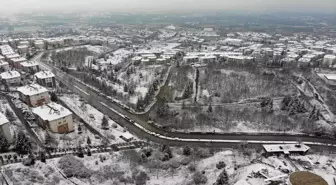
<point>157,6</point>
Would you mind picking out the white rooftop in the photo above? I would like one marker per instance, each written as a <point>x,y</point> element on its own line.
<point>29,64</point>
<point>21,59</point>
<point>22,46</point>
<point>51,112</point>
<point>14,55</point>
<point>3,63</point>
<point>286,148</point>
<point>330,76</point>
<point>1,57</point>
<point>3,119</point>
<point>10,75</point>
<point>44,74</point>
<point>32,89</point>
<point>333,57</point>
<point>6,50</point>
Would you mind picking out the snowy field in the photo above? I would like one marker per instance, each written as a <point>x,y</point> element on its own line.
<point>242,168</point>
<point>94,118</point>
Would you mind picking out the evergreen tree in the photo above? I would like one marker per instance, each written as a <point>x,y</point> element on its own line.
<point>88,141</point>
<point>223,178</point>
<point>210,108</point>
<point>9,114</point>
<point>4,145</point>
<point>104,123</point>
<point>22,143</point>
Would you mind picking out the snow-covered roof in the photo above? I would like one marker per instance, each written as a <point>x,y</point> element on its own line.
<point>3,63</point>
<point>330,76</point>
<point>14,55</point>
<point>3,119</point>
<point>44,74</point>
<point>136,58</point>
<point>332,57</point>
<point>29,64</point>
<point>286,148</point>
<point>2,57</point>
<point>304,60</point>
<point>21,59</point>
<point>10,75</point>
<point>6,50</point>
<point>22,46</point>
<point>208,57</point>
<point>32,89</point>
<point>51,112</point>
<point>241,57</point>
<point>309,56</point>
<point>127,135</point>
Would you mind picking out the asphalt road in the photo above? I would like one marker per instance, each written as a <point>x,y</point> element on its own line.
<point>95,100</point>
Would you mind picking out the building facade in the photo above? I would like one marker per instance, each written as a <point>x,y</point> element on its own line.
<point>34,95</point>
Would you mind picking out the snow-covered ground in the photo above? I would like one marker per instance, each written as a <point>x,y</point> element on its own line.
<point>94,117</point>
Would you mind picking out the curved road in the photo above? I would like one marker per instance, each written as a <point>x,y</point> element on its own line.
<point>147,131</point>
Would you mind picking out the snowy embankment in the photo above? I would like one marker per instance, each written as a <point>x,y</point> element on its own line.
<point>94,118</point>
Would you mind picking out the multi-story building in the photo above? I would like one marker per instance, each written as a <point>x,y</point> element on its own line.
<point>30,67</point>
<point>45,78</point>
<point>23,49</point>
<point>34,95</point>
<point>5,129</point>
<point>4,66</point>
<point>16,62</point>
<point>10,78</point>
<point>6,50</point>
<point>55,117</point>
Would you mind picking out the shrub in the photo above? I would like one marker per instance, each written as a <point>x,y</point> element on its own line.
<point>174,164</point>
<point>220,165</point>
<point>186,151</point>
<point>192,167</point>
<point>185,161</point>
<point>71,166</point>
<point>199,178</point>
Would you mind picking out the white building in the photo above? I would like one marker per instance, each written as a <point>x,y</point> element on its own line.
<point>12,56</point>
<point>34,95</point>
<point>39,44</point>
<point>304,62</point>
<point>24,43</point>
<point>16,62</point>
<point>285,149</point>
<point>207,59</point>
<point>190,59</point>
<point>23,49</point>
<point>4,128</point>
<point>30,66</point>
<point>240,59</point>
<point>11,77</point>
<point>55,117</point>
<point>45,78</point>
<point>233,42</point>
<point>6,50</point>
<point>4,66</point>
<point>329,60</point>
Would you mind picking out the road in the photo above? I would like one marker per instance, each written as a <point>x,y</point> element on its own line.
<point>147,131</point>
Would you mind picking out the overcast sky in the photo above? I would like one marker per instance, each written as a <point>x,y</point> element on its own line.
<point>12,6</point>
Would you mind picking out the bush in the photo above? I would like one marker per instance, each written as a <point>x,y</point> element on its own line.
<point>220,165</point>
<point>192,167</point>
<point>204,153</point>
<point>174,164</point>
<point>140,177</point>
<point>199,178</point>
<point>72,167</point>
<point>185,161</point>
<point>186,151</point>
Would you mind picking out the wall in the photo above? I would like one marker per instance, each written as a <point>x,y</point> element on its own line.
<point>34,99</point>
<point>66,120</point>
<point>6,132</point>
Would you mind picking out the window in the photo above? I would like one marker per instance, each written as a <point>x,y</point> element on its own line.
<point>48,80</point>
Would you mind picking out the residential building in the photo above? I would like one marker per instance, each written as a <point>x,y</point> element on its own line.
<point>34,95</point>
<point>23,43</point>
<point>285,149</point>
<point>4,66</point>
<point>10,78</point>
<point>16,62</point>
<point>329,60</point>
<point>30,67</point>
<point>4,128</point>
<point>6,50</point>
<point>240,59</point>
<point>190,59</point>
<point>39,44</point>
<point>55,117</point>
<point>23,49</point>
<point>46,78</point>
<point>12,56</point>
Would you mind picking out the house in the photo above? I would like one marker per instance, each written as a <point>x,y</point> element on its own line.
<point>126,136</point>
<point>12,56</point>
<point>34,95</point>
<point>304,62</point>
<point>4,128</point>
<point>239,59</point>
<point>30,67</point>
<point>4,66</point>
<point>55,117</point>
<point>23,49</point>
<point>6,50</point>
<point>39,44</point>
<point>208,59</point>
<point>285,149</point>
<point>10,78</point>
<point>16,62</point>
<point>190,59</point>
<point>45,78</point>
<point>329,60</point>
